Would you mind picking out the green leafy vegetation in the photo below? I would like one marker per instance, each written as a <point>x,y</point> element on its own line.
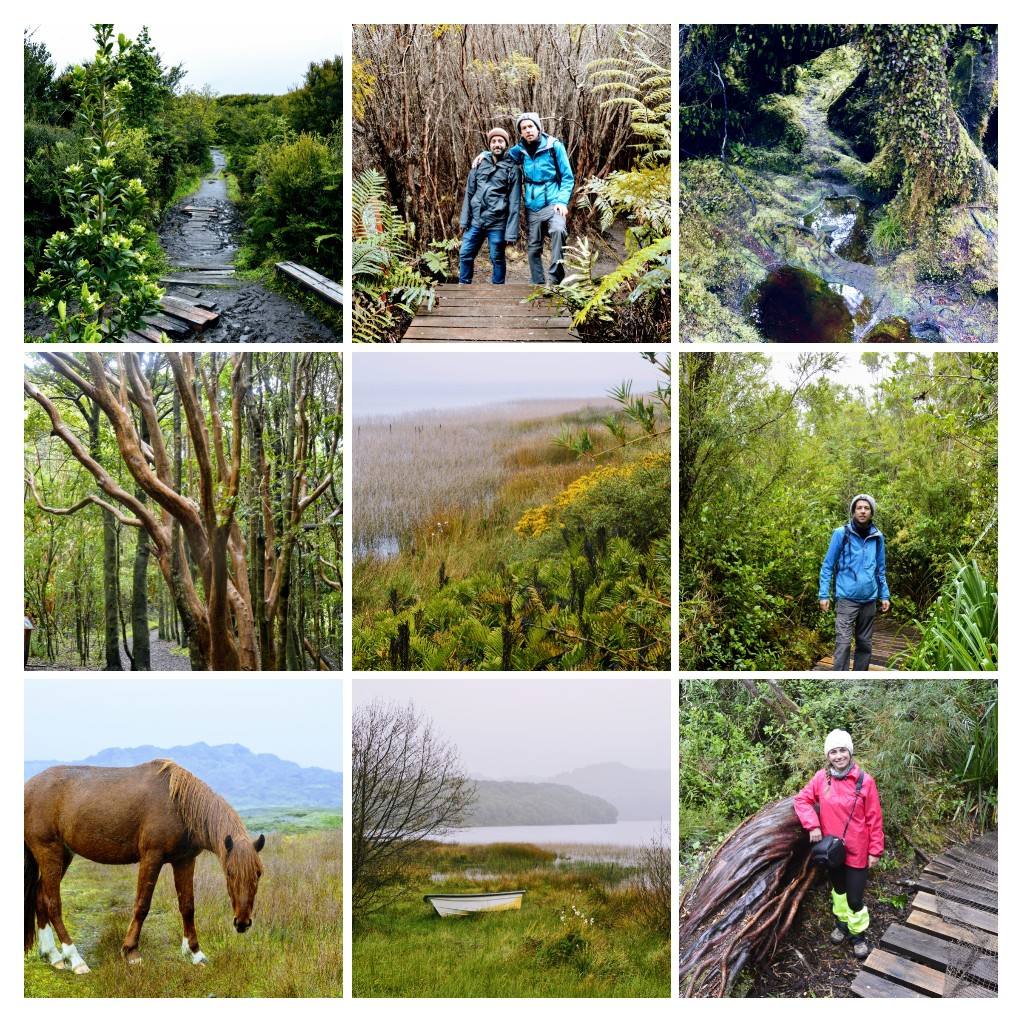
<point>766,472</point>
<point>108,145</point>
<point>286,155</point>
<point>520,541</point>
<point>245,452</point>
<point>593,923</point>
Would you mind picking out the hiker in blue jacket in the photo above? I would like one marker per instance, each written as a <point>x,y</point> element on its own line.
<point>490,209</point>
<point>547,188</point>
<point>856,560</point>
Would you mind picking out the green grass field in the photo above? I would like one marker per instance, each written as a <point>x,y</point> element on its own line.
<point>584,930</point>
<point>293,949</point>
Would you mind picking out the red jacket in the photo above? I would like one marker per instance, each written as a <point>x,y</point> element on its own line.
<point>825,803</point>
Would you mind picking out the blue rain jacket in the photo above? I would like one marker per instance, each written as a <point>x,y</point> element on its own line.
<point>857,564</point>
<point>541,173</point>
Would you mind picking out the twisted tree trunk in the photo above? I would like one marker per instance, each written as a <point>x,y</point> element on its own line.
<point>744,903</point>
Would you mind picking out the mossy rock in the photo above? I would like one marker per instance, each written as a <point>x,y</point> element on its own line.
<point>894,329</point>
<point>960,245</point>
<point>778,123</point>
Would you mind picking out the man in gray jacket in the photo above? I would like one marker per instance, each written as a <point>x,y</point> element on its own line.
<point>490,208</point>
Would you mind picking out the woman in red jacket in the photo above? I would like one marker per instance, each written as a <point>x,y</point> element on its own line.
<point>842,797</point>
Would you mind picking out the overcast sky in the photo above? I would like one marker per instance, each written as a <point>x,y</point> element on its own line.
<point>389,381</point>
<point>249,54</point>
<point>853,373</point>
<point>297,719</point>
<point>539,728</point>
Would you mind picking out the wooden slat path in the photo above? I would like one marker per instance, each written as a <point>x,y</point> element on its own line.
<point>178,319</point>
<point>888,643</point>
<point>914,958</point>
<point>328,290</point>
<point>488,312</point>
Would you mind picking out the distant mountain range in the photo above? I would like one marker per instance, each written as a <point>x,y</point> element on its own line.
<point>536,803</point>
<point>244,779</point>
<point>636,794</point>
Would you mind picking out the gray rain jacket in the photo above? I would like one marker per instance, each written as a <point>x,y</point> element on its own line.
<point>494,196</point>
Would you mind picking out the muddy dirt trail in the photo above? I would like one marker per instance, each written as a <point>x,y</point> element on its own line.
<point>200,236</point>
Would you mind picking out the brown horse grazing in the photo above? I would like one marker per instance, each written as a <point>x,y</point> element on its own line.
<point>152,814</point>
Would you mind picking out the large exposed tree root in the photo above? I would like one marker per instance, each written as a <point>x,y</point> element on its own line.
<point>743,904</point>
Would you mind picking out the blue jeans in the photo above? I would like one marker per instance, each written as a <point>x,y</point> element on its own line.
<point>472,241</point>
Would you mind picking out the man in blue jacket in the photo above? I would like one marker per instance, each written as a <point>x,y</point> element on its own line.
<point>490,208</point>
<point>856,560</point>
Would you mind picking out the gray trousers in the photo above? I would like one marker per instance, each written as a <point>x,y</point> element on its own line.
<point>854,620</point>
<point>537,223</point>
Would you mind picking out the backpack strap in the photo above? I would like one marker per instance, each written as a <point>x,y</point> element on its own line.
<point>839,556</point>
<point>856,793</point>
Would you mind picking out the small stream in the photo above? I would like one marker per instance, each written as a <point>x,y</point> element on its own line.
<point>793,305</point>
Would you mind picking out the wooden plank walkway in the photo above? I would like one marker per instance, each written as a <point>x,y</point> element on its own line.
<point>489,312</point>
<point>328,290</point>
<point>952,931</point>
<point>888,643</point>
<point>178,319</point>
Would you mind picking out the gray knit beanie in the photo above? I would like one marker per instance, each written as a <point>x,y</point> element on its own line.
<point>529,116</point>
<point>863,497</point>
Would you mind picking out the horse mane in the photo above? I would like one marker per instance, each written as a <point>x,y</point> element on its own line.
<point>208,817</point>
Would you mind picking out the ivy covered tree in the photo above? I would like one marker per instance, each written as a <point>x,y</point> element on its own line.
<point>925,147</point>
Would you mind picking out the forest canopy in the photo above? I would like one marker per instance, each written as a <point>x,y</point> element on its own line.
<point>767,468</point>
<point>194,497</point>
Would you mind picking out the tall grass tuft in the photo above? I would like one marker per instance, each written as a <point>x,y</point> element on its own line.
<point>960,632</point>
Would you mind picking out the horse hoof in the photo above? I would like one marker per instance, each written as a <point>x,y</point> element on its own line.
<point>59,965</point>
<point>134,961</point>
<point>82,969</point>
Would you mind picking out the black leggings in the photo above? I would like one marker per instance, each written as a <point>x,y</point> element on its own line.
<point>852,882</point>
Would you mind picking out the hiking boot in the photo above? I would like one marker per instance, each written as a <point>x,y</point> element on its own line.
<point>839,933</point>
<point>860,946</point>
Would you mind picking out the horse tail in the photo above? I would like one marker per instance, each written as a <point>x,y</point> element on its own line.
<point>31,888</point>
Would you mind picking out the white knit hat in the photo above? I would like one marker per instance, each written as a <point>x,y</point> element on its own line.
<point>838,738</point>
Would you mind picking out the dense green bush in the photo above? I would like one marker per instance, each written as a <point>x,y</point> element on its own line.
<point>294,211</point>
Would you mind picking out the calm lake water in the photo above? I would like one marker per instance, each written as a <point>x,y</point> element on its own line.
<point>621,833</point>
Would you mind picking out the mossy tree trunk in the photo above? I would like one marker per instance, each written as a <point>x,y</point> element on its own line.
<point>923,144</point>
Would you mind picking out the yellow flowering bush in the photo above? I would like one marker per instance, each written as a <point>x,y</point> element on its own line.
<point>535,521</point>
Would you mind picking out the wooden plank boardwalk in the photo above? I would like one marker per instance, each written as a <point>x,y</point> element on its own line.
<point>949,946</point>
<point>328,290</point>
<point>489,312</point>
<point>888,643</point>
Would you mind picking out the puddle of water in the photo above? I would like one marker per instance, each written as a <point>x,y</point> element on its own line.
<point>472,874</point>
<point>793,306</point>
<point>841,222</point>
<point>381,548</point>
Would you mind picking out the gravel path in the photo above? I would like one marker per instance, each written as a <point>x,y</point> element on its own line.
<point>162,658</point>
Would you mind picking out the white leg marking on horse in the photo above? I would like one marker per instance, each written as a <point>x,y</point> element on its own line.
<point>198,957</point>
<point>48,950</point>
<point>74,959</point>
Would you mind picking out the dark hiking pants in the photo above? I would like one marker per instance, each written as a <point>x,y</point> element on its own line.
<point>855,621</point>
<point>472,241</point>
<point>539,222</point>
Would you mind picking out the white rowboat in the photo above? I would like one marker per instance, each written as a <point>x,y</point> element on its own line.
<point>459,904</point>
